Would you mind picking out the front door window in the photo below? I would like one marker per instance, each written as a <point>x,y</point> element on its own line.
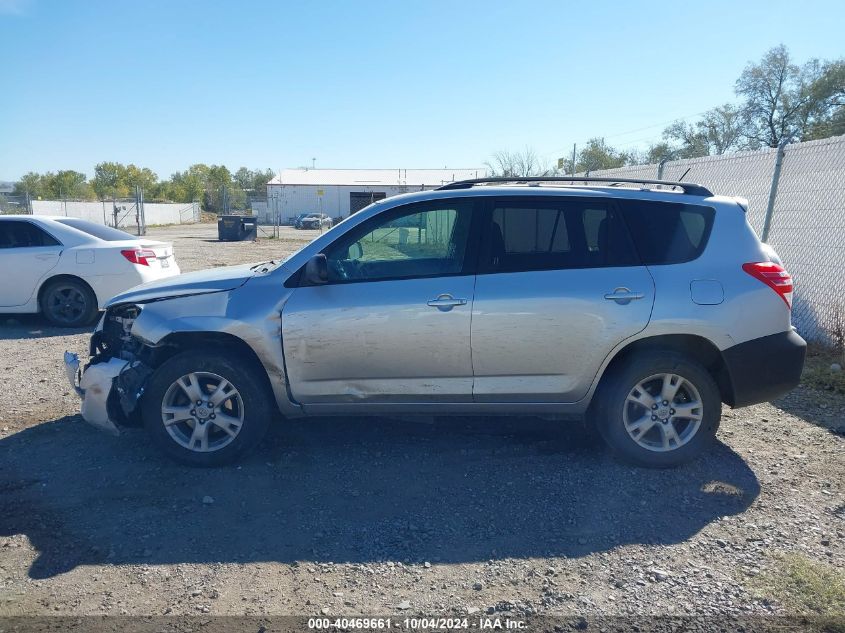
<point>425,240</point>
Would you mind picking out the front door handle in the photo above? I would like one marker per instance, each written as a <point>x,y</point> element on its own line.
<point>446,302</point>
<point>623,295</point>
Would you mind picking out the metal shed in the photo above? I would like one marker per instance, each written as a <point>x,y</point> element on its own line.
<point>341,192</point>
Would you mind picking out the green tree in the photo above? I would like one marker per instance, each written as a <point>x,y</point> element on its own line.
<point>188,185</point>
<point>67,183</point>
<point>31,184</point>
<point>260,178</point>
<point>109,180</point>
<point>829,117</point>
<point>787,102</point>
<point>658,152</point>
<point>719,130</point>
<point>253,181</point>
<point>243,178</point>
<point>597,154</point>
<point>140,177</point>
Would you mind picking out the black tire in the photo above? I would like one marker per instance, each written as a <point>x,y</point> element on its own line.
<point>256,400</point>
<point>611,402</point>
<point>68,302</point>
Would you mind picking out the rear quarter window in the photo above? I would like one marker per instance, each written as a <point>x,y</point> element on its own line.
<point>667,232</point>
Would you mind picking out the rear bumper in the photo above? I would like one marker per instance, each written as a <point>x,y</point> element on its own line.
<point>764,368</point>
<point>107,286</point>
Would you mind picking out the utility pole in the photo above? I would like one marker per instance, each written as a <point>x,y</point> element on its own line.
<point>573,159</point>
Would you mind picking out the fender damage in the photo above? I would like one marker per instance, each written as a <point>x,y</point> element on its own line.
<point>135,337</point>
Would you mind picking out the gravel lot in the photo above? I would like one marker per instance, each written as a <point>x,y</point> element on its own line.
<point>363,516</point>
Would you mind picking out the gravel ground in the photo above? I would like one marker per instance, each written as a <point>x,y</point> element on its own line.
<point>362,516</point>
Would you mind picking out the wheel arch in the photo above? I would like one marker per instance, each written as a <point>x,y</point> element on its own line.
<point>694,346</point>
<point>178,342</point>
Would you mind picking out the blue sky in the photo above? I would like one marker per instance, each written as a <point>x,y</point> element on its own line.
<point>167,83</point>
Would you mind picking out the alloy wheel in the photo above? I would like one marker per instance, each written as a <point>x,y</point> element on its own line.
<point>663,412</point>
<point>66,303</point>
<point>202,412</point>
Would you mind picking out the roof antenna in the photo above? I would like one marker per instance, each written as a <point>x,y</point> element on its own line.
<point>684,174</point>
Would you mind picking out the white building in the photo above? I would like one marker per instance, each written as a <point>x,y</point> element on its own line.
<point>341,192</point>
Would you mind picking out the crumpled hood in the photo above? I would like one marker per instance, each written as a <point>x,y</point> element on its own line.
<point>199,282</point>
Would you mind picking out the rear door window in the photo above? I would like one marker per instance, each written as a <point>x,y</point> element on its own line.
<point>555,235</point>
<point>667,232</point>
<point>23,234</point>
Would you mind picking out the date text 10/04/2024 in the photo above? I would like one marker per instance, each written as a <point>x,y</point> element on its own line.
<point>418,624</point>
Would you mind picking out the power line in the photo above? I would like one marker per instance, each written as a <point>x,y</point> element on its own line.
<point>617,135</point>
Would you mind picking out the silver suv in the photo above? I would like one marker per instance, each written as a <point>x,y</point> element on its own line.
<point>638,306</point>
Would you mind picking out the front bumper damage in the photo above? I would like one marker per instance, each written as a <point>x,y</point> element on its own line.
<point>94,386</point>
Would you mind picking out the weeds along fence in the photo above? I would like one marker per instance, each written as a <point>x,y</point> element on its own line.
<point>796,196</point>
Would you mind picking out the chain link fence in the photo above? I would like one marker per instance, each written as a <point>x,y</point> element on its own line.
<point>806,205</point>
<point>14,204</point>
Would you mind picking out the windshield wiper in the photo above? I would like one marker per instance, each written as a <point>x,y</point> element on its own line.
<point>266,265</point>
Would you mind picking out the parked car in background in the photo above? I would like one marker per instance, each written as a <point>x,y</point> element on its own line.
<point>68,268</point>
<point>315,221</point>
<point>638,308</point>
<point>298,219</point>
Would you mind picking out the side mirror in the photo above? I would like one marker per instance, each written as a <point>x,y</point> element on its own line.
<point>317,270</point>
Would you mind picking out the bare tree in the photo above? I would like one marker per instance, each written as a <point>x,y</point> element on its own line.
<point>518,164</point>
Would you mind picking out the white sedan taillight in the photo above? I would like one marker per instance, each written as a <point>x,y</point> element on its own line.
<point>139,256</point>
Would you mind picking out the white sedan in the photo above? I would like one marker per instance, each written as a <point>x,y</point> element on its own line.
<point>68,268</point>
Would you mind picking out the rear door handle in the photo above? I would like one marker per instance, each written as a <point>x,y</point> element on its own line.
<point>623,295</point>
<point>446,302</point>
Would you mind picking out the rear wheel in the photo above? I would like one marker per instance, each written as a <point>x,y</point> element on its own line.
<point>68,303</point>
<point>205,409</point>
<point>660,409</point>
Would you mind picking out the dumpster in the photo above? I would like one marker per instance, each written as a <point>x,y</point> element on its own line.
<point>237,228</point>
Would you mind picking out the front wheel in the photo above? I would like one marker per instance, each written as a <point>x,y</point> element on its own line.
<point>660,409</point>
<point>206,409</point>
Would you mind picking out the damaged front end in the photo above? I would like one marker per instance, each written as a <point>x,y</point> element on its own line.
<point>112,383</point>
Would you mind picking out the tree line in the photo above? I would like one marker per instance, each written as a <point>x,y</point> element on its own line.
<point>778,101</point>
<point>215,187</point>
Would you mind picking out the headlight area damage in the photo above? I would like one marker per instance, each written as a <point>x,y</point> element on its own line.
<point>113,381</point>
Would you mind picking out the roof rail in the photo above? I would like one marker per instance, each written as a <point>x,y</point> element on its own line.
<point>689,188</point>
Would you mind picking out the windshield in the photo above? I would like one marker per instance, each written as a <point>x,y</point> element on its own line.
<point>99,231</point>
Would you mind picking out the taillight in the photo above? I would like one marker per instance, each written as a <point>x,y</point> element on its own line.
<point>774,276</point>
<point>140,256</point>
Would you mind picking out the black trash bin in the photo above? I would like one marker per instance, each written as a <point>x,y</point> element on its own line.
<point>236,228</point>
